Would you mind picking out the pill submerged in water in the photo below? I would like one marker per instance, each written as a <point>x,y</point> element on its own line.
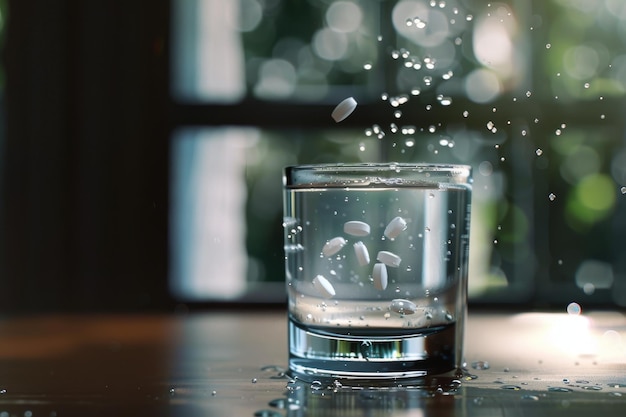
<point>356,228</point>
<point>402,306</point>
<point>395,227</point>
<point>389,259</point>
<point>380,276</point>
<point>333,246</point>
<point>343,109</point>
<point>362,255</point>
<point>323,286</point>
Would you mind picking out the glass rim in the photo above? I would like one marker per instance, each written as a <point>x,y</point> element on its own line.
<point>371,174</point>
<point>395,166</point>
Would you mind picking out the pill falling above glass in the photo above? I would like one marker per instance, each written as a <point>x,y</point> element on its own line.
<point>344,109</point>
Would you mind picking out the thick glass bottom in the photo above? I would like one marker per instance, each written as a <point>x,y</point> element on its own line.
<point>370,354</point>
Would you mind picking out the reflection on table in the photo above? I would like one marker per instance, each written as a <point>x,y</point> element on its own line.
<point>215,364</point>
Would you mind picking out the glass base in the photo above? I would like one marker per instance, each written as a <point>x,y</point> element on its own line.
<point>371,354</point>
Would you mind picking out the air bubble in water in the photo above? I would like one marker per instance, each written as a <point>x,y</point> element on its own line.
<point>397,114</point>
<point>586,85</point>
<point>623,190</point>
<point>419,23</point>
<point>367,66</point>
<point>552,196</point>
<point>539,152</point>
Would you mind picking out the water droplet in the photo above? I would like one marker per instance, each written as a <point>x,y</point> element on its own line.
<point>559,389</point>
<point>316,385</point>
<point>552,196</point>
<point>465,113</point>
<point>586,85</point>
<point>574,309</point>
<point>214,393</point>
<point>548,46</point>
<point>254,380</point>
<point>530,397</point>
<point>480,365</point>
<point>529,93</point>
<point>469,17</point>
<point>623,190</point>
<point>539,152</point>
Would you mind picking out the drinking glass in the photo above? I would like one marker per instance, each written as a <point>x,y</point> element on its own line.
<point>376,259</point>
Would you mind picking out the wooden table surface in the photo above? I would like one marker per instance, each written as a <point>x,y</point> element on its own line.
<point>232,363</point>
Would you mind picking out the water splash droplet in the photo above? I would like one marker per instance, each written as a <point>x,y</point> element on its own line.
<point>574,309</point>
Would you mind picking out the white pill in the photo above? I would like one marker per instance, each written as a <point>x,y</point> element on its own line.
<point>362,254</point>
<point>380,276</point>
<point>356,228</point>
<point>344,109</point>
<point>395,227</point>
<point>333,246</point>
<point>323,286</point>
<point>402,306</point>
<point>389,259</point>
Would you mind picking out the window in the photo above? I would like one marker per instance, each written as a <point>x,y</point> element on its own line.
<point>527,92</point>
